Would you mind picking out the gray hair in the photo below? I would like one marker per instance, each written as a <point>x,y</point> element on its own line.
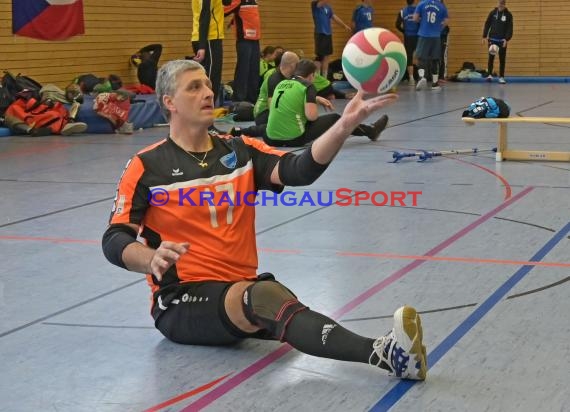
<point>167,79</point>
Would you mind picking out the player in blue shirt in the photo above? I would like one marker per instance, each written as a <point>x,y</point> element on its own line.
<point>322,16</point>
<point>362,16</point>
<point>444,49</point>
<point>433,17</point>
<point>405,23</point>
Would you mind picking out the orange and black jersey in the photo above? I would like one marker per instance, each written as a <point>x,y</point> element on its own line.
<point>165,191</point>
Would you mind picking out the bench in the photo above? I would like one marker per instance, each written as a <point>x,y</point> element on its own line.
<point>504,153</point>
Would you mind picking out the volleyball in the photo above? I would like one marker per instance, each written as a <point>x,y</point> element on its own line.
<point>374,60</point>
<point>493,49</point>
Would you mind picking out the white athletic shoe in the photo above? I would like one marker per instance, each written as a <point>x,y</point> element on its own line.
<point>422,84</point>
<point>126,128</point>
<point>502,80</point>
<point>401,351</point>
<point>73,128</point>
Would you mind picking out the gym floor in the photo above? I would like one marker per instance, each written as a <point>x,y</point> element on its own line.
<point>484,255</point>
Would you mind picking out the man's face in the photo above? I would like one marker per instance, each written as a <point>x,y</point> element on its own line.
<point>502,5</point>
<point>193,99</point>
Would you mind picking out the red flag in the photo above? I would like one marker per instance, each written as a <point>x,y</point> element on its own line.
<point>48,19</point>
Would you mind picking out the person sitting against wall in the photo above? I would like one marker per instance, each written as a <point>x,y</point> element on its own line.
<point>146,61</point>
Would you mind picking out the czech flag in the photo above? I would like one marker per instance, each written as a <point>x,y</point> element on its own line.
<point>47,19</point>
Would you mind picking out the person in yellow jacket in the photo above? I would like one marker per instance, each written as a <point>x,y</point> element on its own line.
<point>207,37</point>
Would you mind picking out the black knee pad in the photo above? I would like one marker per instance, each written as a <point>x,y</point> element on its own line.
<point>270,305</point>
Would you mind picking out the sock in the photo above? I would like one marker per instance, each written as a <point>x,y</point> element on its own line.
<point>421,73</point>
<point>317,335</point>
<point>434,78</point>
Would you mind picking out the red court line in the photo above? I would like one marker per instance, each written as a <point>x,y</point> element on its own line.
<point>24,151</point>
<point>508,189</point>
<point>351,254</point>
<point>455,259</point>
<point>285,251</point>
<point>94,242</point>
<point>268,359</point>
<point>185,395</point>
<point>51,239</point>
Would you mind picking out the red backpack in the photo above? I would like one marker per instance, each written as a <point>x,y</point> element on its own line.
<point>37,115</point>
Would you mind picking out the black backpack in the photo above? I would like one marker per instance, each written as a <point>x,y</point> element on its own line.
<point>16,84</point>
<point>487,107</point>
<point>243,111</point>
<point>6,99</point>
<point>468,66</point>
<point>87,82</point>
<point>336,72</point>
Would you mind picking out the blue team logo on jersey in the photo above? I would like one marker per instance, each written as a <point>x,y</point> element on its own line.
<point>229,160</point>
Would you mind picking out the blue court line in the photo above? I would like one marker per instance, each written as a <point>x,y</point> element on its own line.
<point>398,391</point>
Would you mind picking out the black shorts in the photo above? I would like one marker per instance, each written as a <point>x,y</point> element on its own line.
<point>323,45</point>
<point>410,43</point>
<point>429,48</point>
<point>262,118</point>
<point>194,314</point>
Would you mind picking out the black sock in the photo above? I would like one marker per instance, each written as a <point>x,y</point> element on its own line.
<point>317,335</point>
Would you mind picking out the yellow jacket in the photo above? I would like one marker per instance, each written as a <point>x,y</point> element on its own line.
<point>208,21</point>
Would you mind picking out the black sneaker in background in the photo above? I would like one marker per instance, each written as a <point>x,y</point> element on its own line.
<point>40,131</point>
<point>235,131</point>
<point>214,130</point>
<point>378,127</point>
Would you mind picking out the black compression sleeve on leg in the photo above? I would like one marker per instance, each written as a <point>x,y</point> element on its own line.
<point>300,170</point>
<point>115,239</point>
<point>315,334</point>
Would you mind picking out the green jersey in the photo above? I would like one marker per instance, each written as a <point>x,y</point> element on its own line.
<point>321,82</point>
<point>272,79</point>
<point>287,118</point>
<point>264,67</point>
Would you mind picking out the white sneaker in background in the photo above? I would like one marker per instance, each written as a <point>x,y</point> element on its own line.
<point>422,84</point>
<point>73,128</point>
<point>126,128</point>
